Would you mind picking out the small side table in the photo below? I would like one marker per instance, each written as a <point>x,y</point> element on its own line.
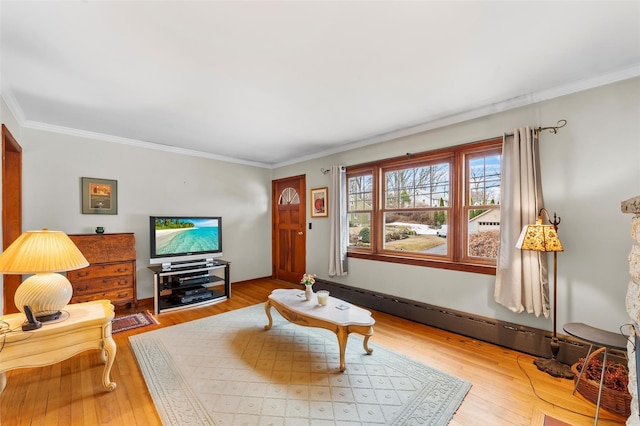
<point>81,327</point>
<point>596,337</point>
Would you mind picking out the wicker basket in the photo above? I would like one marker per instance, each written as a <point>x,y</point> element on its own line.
<point>617,402</point>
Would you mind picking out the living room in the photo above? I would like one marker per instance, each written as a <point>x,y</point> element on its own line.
<point>587,168</point>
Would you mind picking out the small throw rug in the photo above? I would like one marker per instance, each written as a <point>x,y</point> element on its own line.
<point>131,321</point>
<point>227,370</point>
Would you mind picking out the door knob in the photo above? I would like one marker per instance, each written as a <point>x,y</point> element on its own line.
<point>300,233</point>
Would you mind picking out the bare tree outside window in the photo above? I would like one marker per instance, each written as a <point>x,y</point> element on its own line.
<point>483,210</point>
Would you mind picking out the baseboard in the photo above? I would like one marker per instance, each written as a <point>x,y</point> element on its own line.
<point>521,338</point>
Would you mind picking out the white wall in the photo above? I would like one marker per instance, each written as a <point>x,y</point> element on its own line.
<point>150,182</point>
<point>588,168</point>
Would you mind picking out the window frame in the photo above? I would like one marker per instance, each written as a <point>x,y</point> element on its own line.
<point>456,258</point>
<point>358,172</point>
<point>466,204</point>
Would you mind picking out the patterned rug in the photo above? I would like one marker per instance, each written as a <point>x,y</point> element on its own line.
<point>227,370</point>
<point>131,321</point>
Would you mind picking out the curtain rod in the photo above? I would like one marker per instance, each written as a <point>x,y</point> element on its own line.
<point>325,171</point>
<point>552,129</point>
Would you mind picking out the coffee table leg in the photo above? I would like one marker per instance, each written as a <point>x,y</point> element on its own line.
<point>267,310</point>
<point>365,344</point>
<point>3,381</point>
<point>343,335</point>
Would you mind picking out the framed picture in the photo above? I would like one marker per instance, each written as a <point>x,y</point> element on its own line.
<point>319,202</point>
<point>99,196</point>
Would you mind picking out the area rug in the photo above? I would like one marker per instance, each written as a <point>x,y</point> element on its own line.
<point>227,370</point>
<point>552,421</point>
<point>539,418</point>
<point>131,321</point>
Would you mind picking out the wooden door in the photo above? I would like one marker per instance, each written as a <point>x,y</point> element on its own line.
<point>289,239</point>
<point>11,209</point>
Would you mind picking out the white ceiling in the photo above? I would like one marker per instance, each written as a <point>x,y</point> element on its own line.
<point>274,82</point>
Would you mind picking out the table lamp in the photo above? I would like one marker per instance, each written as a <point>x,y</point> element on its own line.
<point>544,238</point>
<point>42,253</point>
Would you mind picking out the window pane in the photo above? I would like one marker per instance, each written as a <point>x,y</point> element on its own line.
<point>289,196</point>
<point>417,187</point>
<point>484,179</point>
<point>359,229</point>
<point>484,232</point>
<point>415,231</point>
<point>360,193</point>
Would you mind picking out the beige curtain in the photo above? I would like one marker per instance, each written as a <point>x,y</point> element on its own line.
<point>338,226</point>
<point>522,282</point>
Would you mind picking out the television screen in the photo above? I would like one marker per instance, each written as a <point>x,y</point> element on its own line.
<point>175,238</point>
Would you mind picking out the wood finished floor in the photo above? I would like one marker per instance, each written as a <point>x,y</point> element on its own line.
<point>71,392</point>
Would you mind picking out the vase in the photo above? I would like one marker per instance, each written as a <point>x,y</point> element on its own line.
<point>308,291</point>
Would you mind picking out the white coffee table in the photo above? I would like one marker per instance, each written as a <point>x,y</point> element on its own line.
<point>337,315</point>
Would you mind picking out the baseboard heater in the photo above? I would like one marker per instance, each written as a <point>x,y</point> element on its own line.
<point>520,338</point>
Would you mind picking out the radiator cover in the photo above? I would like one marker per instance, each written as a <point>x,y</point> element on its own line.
<point>520,338</point>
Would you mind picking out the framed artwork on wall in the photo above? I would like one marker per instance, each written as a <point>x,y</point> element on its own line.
<point>99,196</point>
<point>319,207</point>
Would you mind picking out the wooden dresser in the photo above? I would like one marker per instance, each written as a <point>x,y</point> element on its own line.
<point>111,273</point>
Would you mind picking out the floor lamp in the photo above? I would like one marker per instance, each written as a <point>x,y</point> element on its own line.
<point>544,238</point>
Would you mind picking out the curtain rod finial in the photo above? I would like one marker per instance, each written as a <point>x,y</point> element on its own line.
<point>554,129</point>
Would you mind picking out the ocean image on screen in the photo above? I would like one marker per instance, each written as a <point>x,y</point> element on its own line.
<point>182,236</point>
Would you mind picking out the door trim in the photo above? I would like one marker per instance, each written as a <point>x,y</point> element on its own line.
<point>11,209</point>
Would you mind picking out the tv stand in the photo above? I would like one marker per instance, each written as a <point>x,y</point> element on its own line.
<point>188,284</point>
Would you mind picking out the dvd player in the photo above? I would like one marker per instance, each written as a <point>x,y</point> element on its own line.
<point>196,297</point>
<point>192,291</point>
<point>192,279</point>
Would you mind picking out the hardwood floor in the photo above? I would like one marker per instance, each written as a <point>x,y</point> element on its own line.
<point>71,392</point>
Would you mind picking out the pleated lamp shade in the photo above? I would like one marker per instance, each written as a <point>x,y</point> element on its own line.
<point>42,253</point>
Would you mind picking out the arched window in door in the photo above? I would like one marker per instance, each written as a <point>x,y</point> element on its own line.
<point>289,196</point>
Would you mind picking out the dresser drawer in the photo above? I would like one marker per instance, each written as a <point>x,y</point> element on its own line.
<point>117,297</point>
<point>99,271</point>
<point>106,248</point>
<point>84,287</point>
<point>112,271</point>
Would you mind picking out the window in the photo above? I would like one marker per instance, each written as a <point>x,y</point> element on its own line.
<point>289,196</point>
<point>482,207</point>
<point>437,208</point>
<point>359,208</point>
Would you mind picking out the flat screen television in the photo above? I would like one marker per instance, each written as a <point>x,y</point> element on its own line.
<point>185,238</point>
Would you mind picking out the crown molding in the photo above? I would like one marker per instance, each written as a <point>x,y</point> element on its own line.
<point>18,113</point>
<point>480,111</point>
<point>434,123</point>
<point>35,125</point>
<point>13,105</point>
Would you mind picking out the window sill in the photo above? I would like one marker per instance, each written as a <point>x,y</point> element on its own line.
<point>429,263</point>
